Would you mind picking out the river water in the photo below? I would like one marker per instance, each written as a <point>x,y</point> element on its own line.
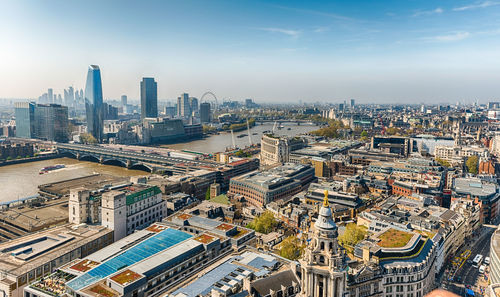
<point>22,180</point>
<point>219,143</point>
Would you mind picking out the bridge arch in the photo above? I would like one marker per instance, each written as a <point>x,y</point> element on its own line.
<point>114,162</point>
<point>69,154</point>
<point>141,166</point>
<point>89,158</point>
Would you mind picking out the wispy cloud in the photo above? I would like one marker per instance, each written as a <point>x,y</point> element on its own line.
<point>477,5</point>
<point>289,32</point>
<point>438,10</point>
<point>321,29</point>
<point>449,37</point>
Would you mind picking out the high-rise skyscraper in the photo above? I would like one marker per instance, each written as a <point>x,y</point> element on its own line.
<point>352,103</point>
<point>93,102</point>
<point>124,101</point>
<point>25,119</point>
<point>183,106</point>
<point>149,98</point>
<point>50,94</point>
<point>205,112</point>
<point>193,101</point>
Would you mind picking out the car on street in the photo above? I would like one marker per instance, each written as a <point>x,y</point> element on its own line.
<point>487,260</point>
<point>482,268</point>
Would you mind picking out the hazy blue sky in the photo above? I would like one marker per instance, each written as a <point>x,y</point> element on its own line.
<point>374,51</point>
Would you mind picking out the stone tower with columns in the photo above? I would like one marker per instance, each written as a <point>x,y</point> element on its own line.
<point>323,267</point>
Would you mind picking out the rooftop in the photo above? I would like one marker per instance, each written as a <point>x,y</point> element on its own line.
<point>228,273</point>
<point>474,186</point>
<point>125,277</point>
<point>136,253</point>
<point>20,255</point>
<point>393,238</point>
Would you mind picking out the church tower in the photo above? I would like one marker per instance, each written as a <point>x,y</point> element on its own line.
<point>323,267</point>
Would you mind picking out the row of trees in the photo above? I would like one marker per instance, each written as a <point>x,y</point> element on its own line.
<point>330,131</point>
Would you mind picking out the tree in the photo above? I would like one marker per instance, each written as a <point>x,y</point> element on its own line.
<point>364,133</point>
<point>207,194</point>
<point>263,223</point>
<point>443,162</point>
<point>352,235</point>
<point>472,164</point>
<point>331,131</point>
<point>87,138</point>
<point>291,248</point>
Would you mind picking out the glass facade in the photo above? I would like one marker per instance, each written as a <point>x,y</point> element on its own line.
<point>149,98</point>
<point>93,102</point>
<point>51,122</point>
<point>25,119</point>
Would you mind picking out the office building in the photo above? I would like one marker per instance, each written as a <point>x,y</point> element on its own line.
<point>50,96</point>
<point>149,98</point>
<point>282,182</point>
<point>276,149</point>
<point>123,210</point>
<point>26,259</point>
<point>25,119</point>
<point>392,144</point>
<point>352,103</point>
<point>42,121</point>
<point>183,106</point>
<point>193,101</point>
<point>93,103</point>
<point>149,262</point>
<point>51,122</point>
<point>205,112</point>
<point>124,100</point>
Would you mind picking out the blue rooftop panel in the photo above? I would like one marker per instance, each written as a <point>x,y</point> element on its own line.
<point>145,249</point>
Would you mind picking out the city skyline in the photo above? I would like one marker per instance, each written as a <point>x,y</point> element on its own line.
<point>276,51</point>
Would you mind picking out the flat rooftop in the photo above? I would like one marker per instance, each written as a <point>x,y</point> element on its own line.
<point>20,255</point>
<point>474,186</point>
<point>228,273</point>
<point>90,182</point>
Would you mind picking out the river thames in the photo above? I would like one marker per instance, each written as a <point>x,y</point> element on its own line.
<point>22,180</point>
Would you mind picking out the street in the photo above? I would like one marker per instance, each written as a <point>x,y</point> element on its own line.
<point>466,274</point>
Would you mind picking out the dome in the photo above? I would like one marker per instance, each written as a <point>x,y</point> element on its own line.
<point>325,219</point>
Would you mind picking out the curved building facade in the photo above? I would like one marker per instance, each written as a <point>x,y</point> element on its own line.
<point>93,102</point>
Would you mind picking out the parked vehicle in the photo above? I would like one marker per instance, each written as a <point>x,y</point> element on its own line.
<point>482,269</point>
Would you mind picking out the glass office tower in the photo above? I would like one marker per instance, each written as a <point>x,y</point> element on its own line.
<point>51,122</point>
<point>93,102</point>
<point>25,119</point>
<point>149,98</point>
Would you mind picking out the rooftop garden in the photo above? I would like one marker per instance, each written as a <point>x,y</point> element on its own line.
<point>125,277</point>
<point>393,238</point>
<point>102,290</point>
<point>156,228</point>
<point>240,233</point>
<point>205,239</point>
<point>53,284</point>
<point>221,199</point>
<point>224,227</point>
<point>84,265</point>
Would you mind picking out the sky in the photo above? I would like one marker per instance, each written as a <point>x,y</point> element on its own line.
<point>382,51</point>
